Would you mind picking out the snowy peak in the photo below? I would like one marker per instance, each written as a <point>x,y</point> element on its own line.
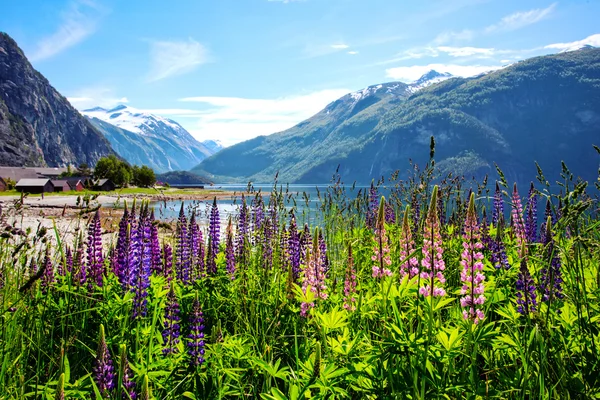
<point>578,47</point>
<point>390,88</point>
<point>428,79</point>
<point>134,120</point>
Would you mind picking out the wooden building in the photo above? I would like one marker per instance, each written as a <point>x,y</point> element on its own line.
<point>61,185</point>
<point>104,185</point>
<point>35,186</point>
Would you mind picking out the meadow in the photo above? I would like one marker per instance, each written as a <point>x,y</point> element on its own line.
<point>444,288</point>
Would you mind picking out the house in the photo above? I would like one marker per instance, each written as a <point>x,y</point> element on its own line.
<point>18,173</point>
<point>3,185</point>
<point>104,185</point>
<point>52,173</point>
<point>35,186</point>
<point>61,185</point>
<point>75,184</point>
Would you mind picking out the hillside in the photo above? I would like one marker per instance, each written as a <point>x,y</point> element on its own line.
<point>38,126</point>
<point>543,109</point>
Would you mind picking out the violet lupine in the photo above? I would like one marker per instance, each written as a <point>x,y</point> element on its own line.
<point>127,381</point>
<point>472,268</point>
<point>416,213</point>
<point>547,214</point>
<point>498,256</point>
<point>230,252</point>
<point>526,296</point>
<point>498,205</point>
<point>409,263</point>
<point>323,250</point>
<point>258,214</point>
<point>104,371</point>
<point>305,245</point>
<point>350,283</point>
<point>48,276</point>
<point>69,259</point>
<point>79,272</point>
<point>531,216</point>
<point>517,223</point>
<point>432,264</point>
<point>196,248</point>
<point>171,329</point>
<point>551,276</point>
<point>214,227</point>
<point>283,248</point>
<point>143,268</point>
<point>273,215</point>
<point>122,247</point>
<point>381,250</point>
<point>372,207</point>
<point>313,275</point>
<point>294,248</point>
<point>167,257</point>
<point>242,230</point>
<point>182,260</point>
<point>267,246</point>
<point>95,260</point>
<point>195,343</point>
<point>157,264</point>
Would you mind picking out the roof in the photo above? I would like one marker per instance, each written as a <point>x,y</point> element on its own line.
<point>60,181</point>
<point>50,171</point>
<point>33,182</point>
<point>17,173</point>
<point>101,182</point>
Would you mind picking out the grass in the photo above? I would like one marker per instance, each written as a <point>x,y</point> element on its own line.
<point>123,191</point>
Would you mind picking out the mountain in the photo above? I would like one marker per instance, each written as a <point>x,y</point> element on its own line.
<point>146,139</point>
<point>544,109</point>
<point>38,126</point>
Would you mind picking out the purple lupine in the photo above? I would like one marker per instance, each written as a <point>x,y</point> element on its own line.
<point>79,272</point>
<point>127,376</point>
<point>551,276</point>
<point>171,329</point>
<point>313,275</point>
<point>143,267</point>
<point>547,214</point>
<point>472,275</point>
<point>323,249</point>
<point>498,256</point>
<point>432,264</point>
<point>498,205</point>
<point>372,207</point>
<point>229,252</point>
<point>122,247</point>
<point>60,268</point>
<point>283,248</point>
<point>196,248</point>
<point>294,248</point>
<point>48,276</point>
<point>157,264</point>
<point>531,215</point>
<point>305,245</point>
<point>195,341</point>
<point>68,259</point>
<point>104,371</point>
<point>409,264</point>
<point>517,223</point>
<point>258,214</point>
<point>214,227</point>
<point>242,229</point>
<point>95,260</point>
<point>266,245</point>
<point>273,215</point>
<point>381,249</point>
<point>182,260</point>
<point>167,256</point>
<point>526,297</point>
<point>350,283</point>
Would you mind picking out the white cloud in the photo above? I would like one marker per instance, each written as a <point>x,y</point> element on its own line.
<point>95,97</point>
<point>175,58</point>
<point>339,46</point>
<point>467,51</point>
<point>453,36</point>
<point>414,72</point>
<point>521,19</point>
<point>234,119</point>
<point>353,52</point>
<point>78,22</point>
<point>593,40</point>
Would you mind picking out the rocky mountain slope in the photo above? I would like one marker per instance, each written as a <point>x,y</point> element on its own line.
<point>38,126</point>
<point>544,109</point>
<point>146,139</point>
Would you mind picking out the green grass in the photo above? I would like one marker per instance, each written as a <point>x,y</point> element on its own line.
<point>123,191</point>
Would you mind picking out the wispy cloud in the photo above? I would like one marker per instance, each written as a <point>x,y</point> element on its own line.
<point>453,37</point>
<point>467,51</point>
<point>175,58</point>
<point>353,52</point>
<point>312,50</point>
<point>234,119</point>
<point>339,46</point>
<point>593,40</point>
<point>521,19</point>
<point>78,21</point>
<point>414,72</point>
<point>95,96</point>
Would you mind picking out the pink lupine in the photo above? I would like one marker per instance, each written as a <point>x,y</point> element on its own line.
<point>472,268</point>
<point>409,266</point>
<point>381,250</point>
<point>432,275</point>
<point>314,275</point>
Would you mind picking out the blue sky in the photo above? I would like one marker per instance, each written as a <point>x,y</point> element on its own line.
<point>235,69</point>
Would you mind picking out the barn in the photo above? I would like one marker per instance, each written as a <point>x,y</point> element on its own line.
<point>61,185</point>
<point>76,184</point>
<point>35,186</point>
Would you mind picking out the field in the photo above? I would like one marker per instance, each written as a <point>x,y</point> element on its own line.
<point>455,290</point>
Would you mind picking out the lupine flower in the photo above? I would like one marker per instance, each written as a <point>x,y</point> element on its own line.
<point>145,394</point>
<point>441,211</point>
<point>122,247</point>
<point>182,261</point>
<point>167,256</point>
<point>381,250</point>
<point>547,214</point>
<point>79,272</point>
<point>229,252</point>
<point>526,297</point>
<point>409,265</point>
<point>196,247</point>
<point>305,245</point>
<point>214,227</point>
<point>416,213</point>
<point>242,230</point>
<point>104,371</point>
<point>48,277</point>
<point>472,268</point>
<point>157,264</point>
<point>258,214</point>
<point>95,260</point>
<point>551,276</point>
<point>531,216</point>
<point>60,388</point>
<point>125,371</point>
<point>350,283</point>
<point>432,264</point>
<point>143,267</point>
<point>498,256</point>
<point>518,225</point>
<point>68,259</point>
<point>294,248</point>
<point>133,252</point>
<point>171,329</point>
<point>373,206</point>
<point>273,216</point>
<point>283,248</point>
<point>498,205</point>
<point>195,342</point>
<point>266,243</point>
<point>314,275</point>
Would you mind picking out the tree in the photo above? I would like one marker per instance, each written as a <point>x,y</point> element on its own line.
<point>114,169</point>
<point>143,176</point>
<point>83,170</point>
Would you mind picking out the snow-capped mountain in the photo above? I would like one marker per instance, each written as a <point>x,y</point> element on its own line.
<point>428,79</point>
<point>144,138</point>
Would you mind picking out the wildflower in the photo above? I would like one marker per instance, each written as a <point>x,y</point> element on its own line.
<point>182,262</point>
<point>498,205</point>
<point>381,250</point>
<point>167,257</point>
<point>314,275</point>
<point>526,297</point>
<point>531,216</point>
<point>104,372</point>
<point>195,342</point>
<point>517,220</point>
<point>350,283</point>
<point>551,276</point>
<point>142,270</point>
<point>371,219</point>
<point>472,272</point>
<point>127,376</point>
<point>214,238</point>
<point>196,248</point>
<point>294,248</point>
<point>60,388</point>
<point>266,245</point>
<point>157,264</point>
<point>416,213</point>
<point>229,252</point>
<point>498,256</point>
<point>432,263</point>
<point>283,248</point>
<point>547,214</point>
<point>122,247</point>
<point>242,229</point>
<point>48,277</point>
<point>410,265</point>
<point>95,260</point>
<point>171,329</point>
<point>68,260</point>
